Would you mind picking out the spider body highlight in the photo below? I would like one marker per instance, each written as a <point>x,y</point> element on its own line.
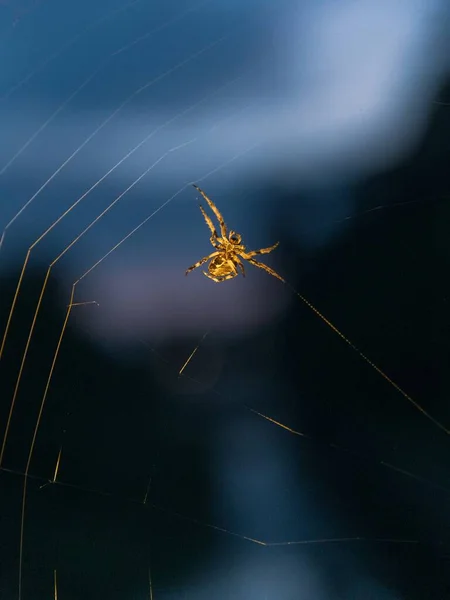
<point>225,262</point>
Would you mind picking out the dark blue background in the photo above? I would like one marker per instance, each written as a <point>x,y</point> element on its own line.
<point>347,107</point>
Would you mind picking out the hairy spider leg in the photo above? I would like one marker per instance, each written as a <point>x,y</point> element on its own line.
<point>261,251</point>
<point>202,261</point>
<point>265,267</point>
<point>239,264</point>
<point>214,239</point>
<point>213,207</point>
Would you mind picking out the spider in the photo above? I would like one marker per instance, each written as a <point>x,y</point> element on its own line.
<point>225,262</point>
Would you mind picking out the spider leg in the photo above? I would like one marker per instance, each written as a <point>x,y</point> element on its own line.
<point>211,277</point>
<point>222,278</point>
<point>202,261</point>
<point>214,239</point>
<point>266,268</point>
<point>209,223</point>
<point>247,255</point>
<point>239,263</point>
<point>216,242</point>
<point>213,207</point>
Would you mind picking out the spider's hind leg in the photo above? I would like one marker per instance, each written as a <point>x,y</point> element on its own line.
<point>220,278</point>
<point>239,264</point>
<point>266,268</point>
<point>202,261</point>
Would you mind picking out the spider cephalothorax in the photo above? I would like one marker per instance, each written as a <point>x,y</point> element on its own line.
<point>226,260</point>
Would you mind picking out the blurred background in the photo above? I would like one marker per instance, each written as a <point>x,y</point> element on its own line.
<point>279,464</point>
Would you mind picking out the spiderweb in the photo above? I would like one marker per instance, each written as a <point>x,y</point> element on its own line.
<point>164,437</point>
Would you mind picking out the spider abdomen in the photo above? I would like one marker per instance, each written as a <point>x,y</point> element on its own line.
<point>222,268</point>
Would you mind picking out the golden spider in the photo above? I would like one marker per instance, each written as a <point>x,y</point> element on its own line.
<point>225,261</point>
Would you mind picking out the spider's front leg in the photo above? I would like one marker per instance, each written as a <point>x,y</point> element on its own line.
<point>215,242</point>
<point>213,207</point>
<point>209,223</point>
